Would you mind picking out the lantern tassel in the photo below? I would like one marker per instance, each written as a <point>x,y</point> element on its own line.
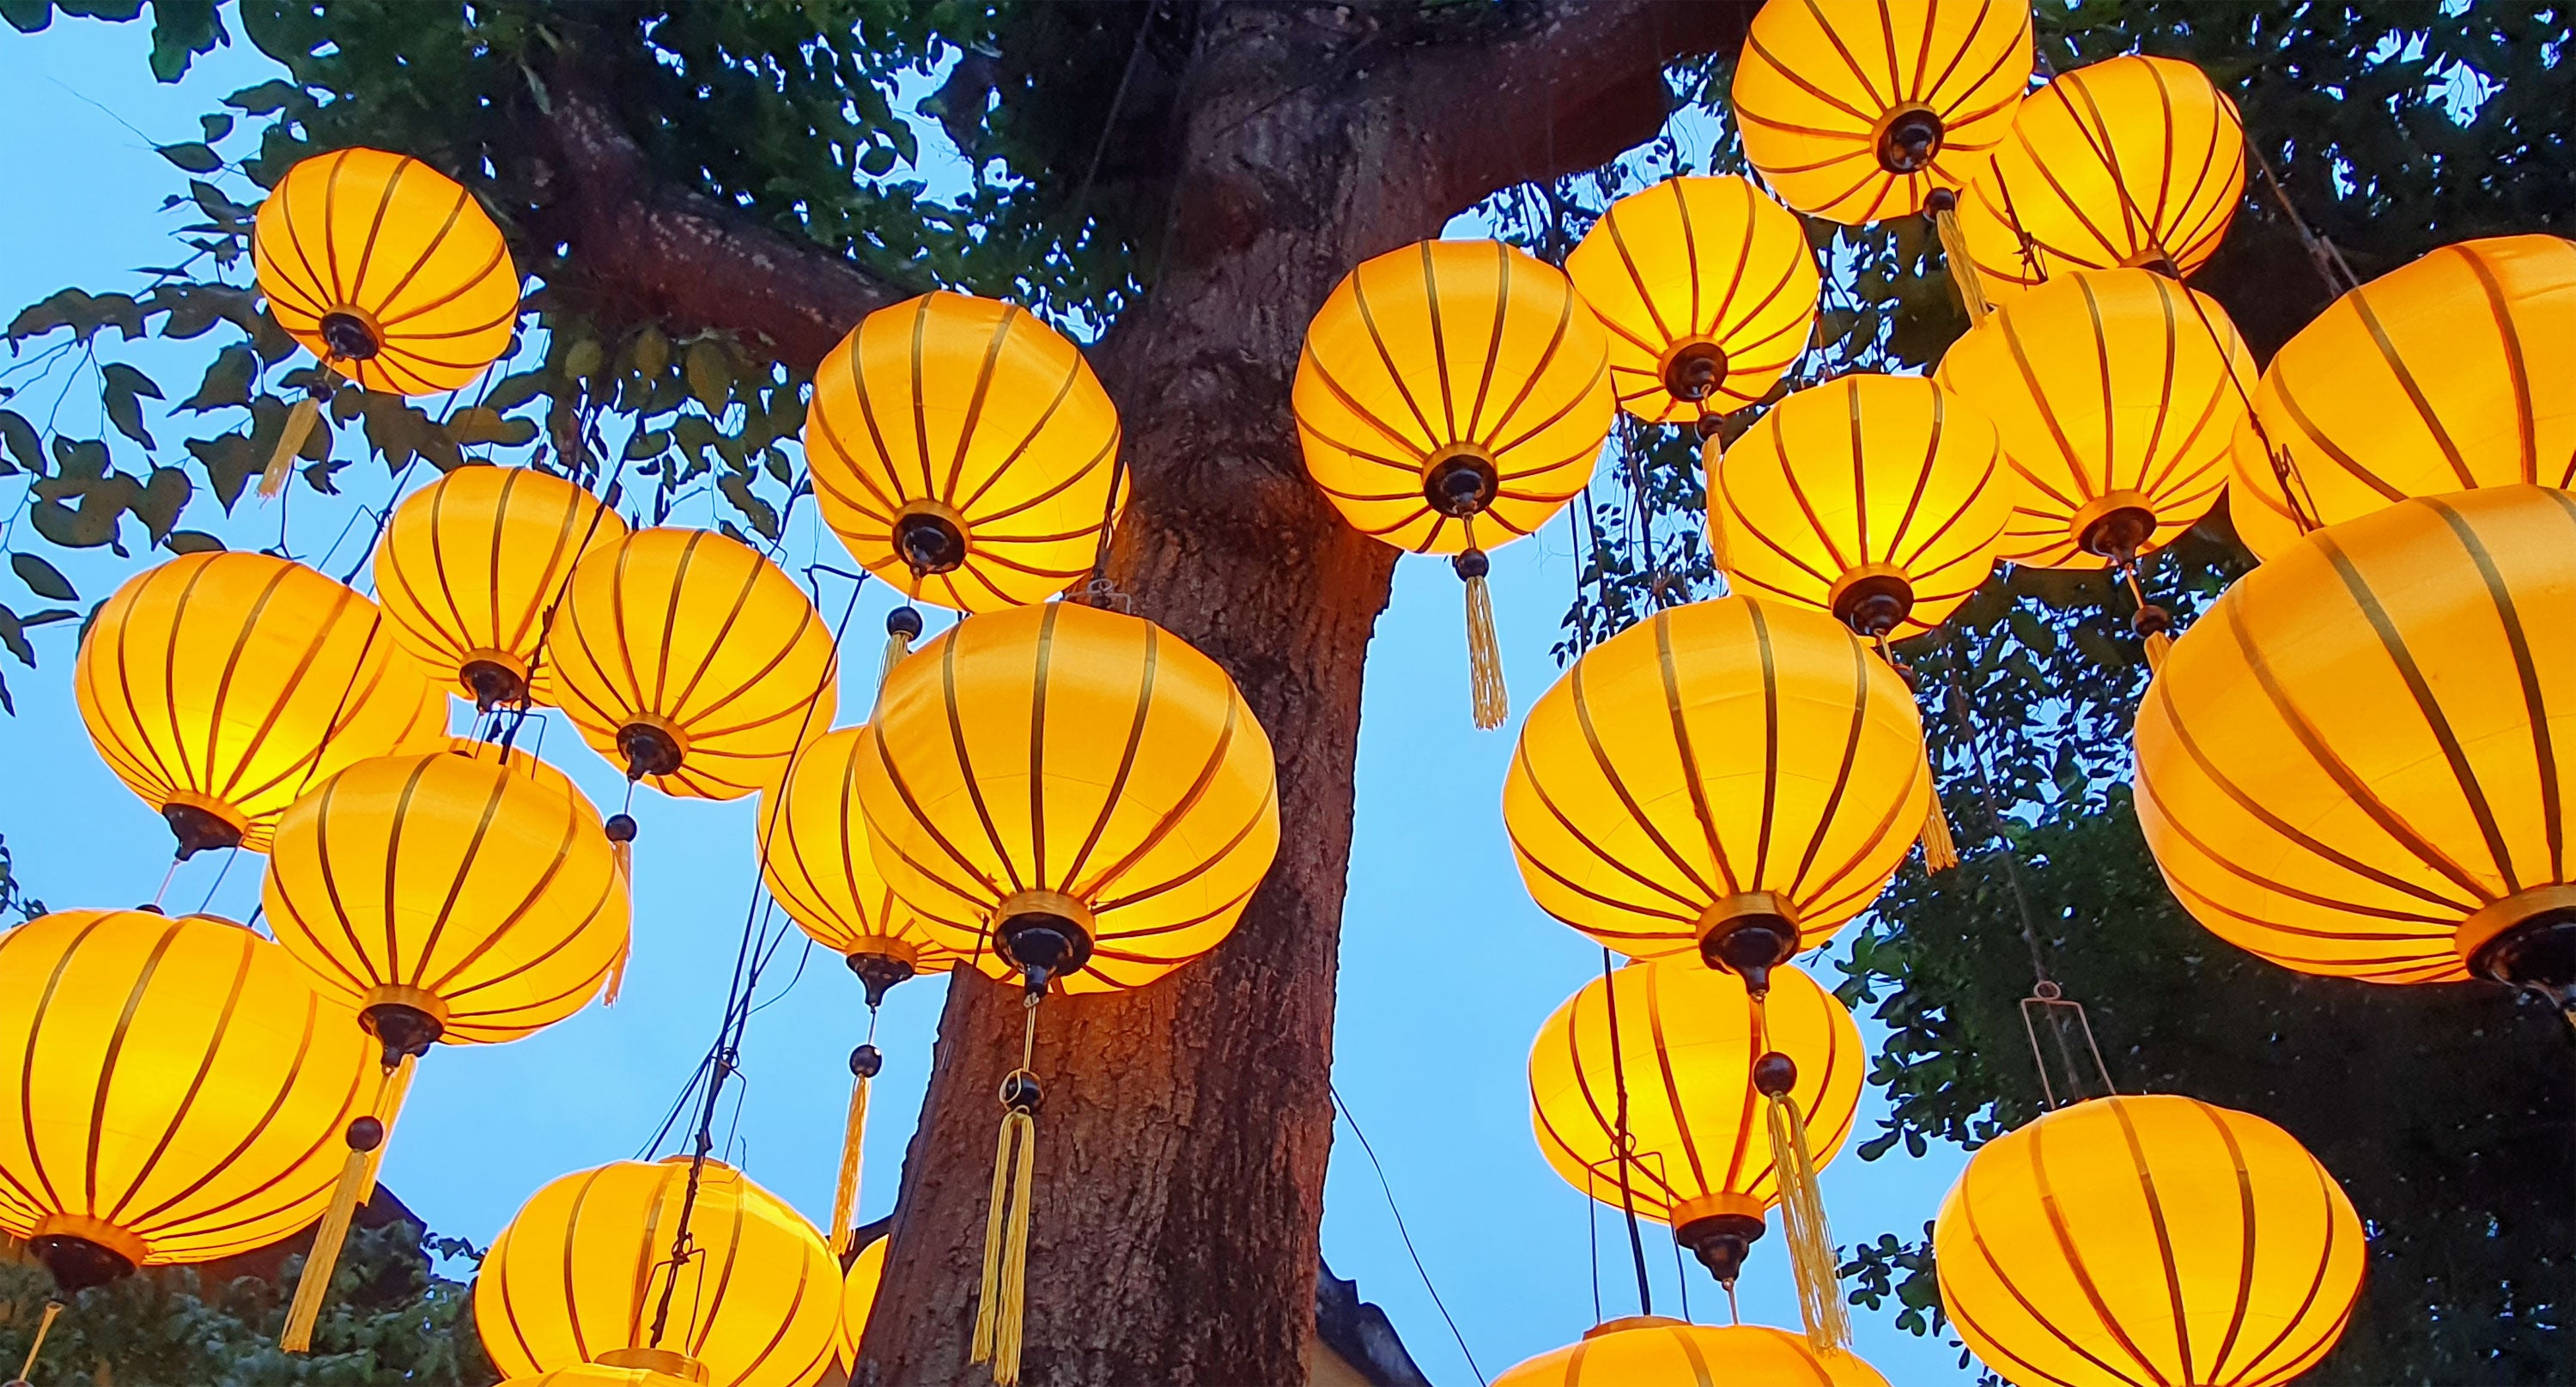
<point>845,1192</point>
<point>898,644</point>
<point>357,1185</point>
<point>1485,657</point>
<point>1717,543</point>
<point>299,427</point>
<point>2158,643</point>
<point>1963,267</point>
<point>1002,1303</point>
<point>1940,850</point>
<point>623,850</point>
<point>45,1326</point>
<point>1802,1226</point>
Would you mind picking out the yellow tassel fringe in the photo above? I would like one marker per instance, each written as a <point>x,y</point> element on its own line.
<point>2158,644</point>
<point>1485,657</point>
<point>299,427</point>
<point>45,1326</point>
<point>897,646</point>
<point>1940,850</point>
<point>357,1185</point>
<point>1802,1226</point>
<point>845,1192</point>
<point>1002,1303</point>
<point>1963,268</point>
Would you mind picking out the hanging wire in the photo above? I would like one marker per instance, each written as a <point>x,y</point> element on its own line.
<point>1419,1269</point>
<point>1623,1152</point>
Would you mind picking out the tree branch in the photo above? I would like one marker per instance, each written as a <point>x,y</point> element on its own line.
<point>646,250</point>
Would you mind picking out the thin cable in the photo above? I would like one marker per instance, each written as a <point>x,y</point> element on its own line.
<point>2322,253</point>
<point>1620,1151</point>
<point>1419,1269</point>
<point>1966,718</point>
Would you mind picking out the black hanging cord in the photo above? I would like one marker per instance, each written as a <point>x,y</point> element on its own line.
<point>1419,1269</point>
<point>1620,1154</point>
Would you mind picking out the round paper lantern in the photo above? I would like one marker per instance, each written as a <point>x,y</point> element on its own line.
<point>1688,1043</point>
<point>579,1275</point>
<point>1069,795</point>
<point>220,686</point>
<point>171,1090</point>
<point>1453,396</point>
<point>2132,161</point>
<point>2358,762</point>
<point>2434,377</point>
<point>2141,1242</point>
<point>964,452</point>
<point>601,1375</point>
<point>2115,393</point>
<point>1877,498</point>
<point>1737,776</point>
<point>858,1298</point>
<point>691,660</point>
<point>1856,111</point>
<point>1707,289</point>
<point>1652,1351</point>
<point>471,567</point>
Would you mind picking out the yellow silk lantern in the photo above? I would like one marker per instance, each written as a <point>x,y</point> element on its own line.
<point>1700,1061</point>
<point>1857,110</point>
<point>2133,161</point>
<point>858,1299</point>
<point>1653,1351</point>
<point>171,1090</point>
<point>1739,776</point>
<point>1075,797</point>
<point>582,1273</point>
<point>2141,1242</point>
<point>1707,288</point>
<point>2434,377</point>
<point>470,569</point>
<point>2357,763</point>
<point>695,662</point>
<point>601,1375</point>
<point>1448,386</point>
<point>386,269</point>
<point>445,898</point>
<point>220,686</point>
<point>815,859</point>
<point>964,452</point>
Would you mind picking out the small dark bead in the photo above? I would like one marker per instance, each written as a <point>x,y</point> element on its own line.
<point>1020,1093</point>
<point>1471,563</point>
<point>1775,1074</point>
<point>621,828</point>
<point>2150,620</point>
<point>151,910</point>
<point>865,1062</point>
<point>904,622</point>
<point>1940,200</point>
<point>365,1134</point>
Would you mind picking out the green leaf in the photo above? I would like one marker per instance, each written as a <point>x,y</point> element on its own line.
<point>737,490</point>
<point>20,438</point>
<point>514,391</point>
<point>42,578</point>
<point>216,126</point>
<point>13,634</point>
<point>877,162</point>
<point>481,425</point>
<point>267,97</point>
<point>192,542</point>
<point>582,359</point>
<point>227,382</point>
<point>652,352</point>
<point>194,157</point>
<point>158,504</point>
<point>710,373</point>
<point>125,389</point>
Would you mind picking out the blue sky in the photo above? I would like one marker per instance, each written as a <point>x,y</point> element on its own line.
<point>1432,1036</point>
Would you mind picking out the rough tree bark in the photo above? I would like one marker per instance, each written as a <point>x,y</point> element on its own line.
<point>1181,1150</point>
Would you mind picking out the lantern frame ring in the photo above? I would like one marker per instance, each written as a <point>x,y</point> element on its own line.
<point>2115,525</point>
<point>880,961</point>
<point>1692,368</point>
<point>2526,940</point>
<point>930,537</point>
<point>83,1251</point>
<point>1872,599</point>
<point>652,745</point>
<point>1901,130</point>
<point>1460,480</point>
<point>496,677</point>
<point>200,821</point>
<point>1749,934</point>
<point>352,333</point>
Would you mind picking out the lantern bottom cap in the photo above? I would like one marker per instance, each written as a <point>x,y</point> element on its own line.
<point>2114,525</point>
<point>201,821</point>
<point>82,1251</point>
<point>2526,940</point>
<point>492,678</point>
<point>660,1360</point>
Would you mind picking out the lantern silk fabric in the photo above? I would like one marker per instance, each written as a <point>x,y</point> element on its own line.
<point>171,1089</point>
<point>224,685</point>
<point>2444,374</point>
<point>1713,751</point>
<point>1687,1043</point>
<point>1443,349</point>
<point>2148,1241</point>
<point>471,568</point>
<point>858,1300</point>
<point>949,410</point>
<point>1705,274</point>
<point>478,893</point>
<point>700,644</point>
<point>397,250</point>
<point>2110,390</point>
<point>816,861</point>
<point>2358,761</point>
<point>2132,161</point>
<point>1827,90</point>
<point>1864,483</point>
<point>580,1269</point>
<point>1653,1351</point>
<point>1081,753</point>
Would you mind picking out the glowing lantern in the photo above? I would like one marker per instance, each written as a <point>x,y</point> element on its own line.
<point>220,686</point>
<point>965,453</point>
<point>2133,161</point>
<point>1652,1351</point>
<point>2138,1242</point>
<point>694,661</point>
<point>2354,765</point>
<point>1448,385</point>
<point>1698,1058</point>
<point>817,864</point>
<point>171,1090</point>
<point>584,1273</point>
<point>1075,797</point>
<point>1707,288</point>
<point>386,269</point>
<point>1857,110</point>
<point>470,569</point>
<point>445,898</point>
<point>2434,377</point>
<point>601,1375</point>
<point>1739,776</point>
<point>858,1300</point>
